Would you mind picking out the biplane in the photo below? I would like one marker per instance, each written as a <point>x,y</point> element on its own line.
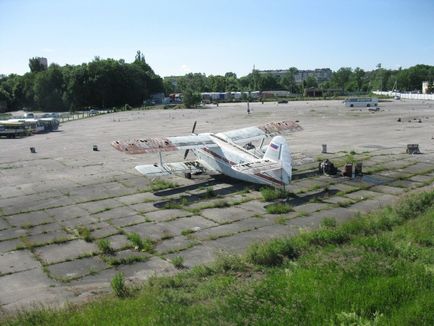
<point>231,153</point>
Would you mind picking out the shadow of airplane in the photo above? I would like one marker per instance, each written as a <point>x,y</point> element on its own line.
<point>207,193</point>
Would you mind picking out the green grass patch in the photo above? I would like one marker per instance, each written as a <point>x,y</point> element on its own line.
<point>178,262</point>
<point>278,208</point>
<point>270,194</point>
<point>84,232</point>
<point>105,247</point>
<point>376,269</point>
<point>140,243</point>
<point>160,184</point>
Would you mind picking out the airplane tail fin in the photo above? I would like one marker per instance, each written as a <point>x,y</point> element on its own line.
<point>278,151</point>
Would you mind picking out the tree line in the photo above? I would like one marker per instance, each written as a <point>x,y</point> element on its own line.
<point>107,83</point>
<point>343,80</point>
<point>102,83</point>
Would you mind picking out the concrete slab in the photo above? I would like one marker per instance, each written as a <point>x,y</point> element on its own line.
<point>137,198</point>
<point>407,184</point>
<point>97,206</point>
<point>226,215</point>
<point>388,190</point>
<point>29,219</point>
<point>114,213</point>
<point>10,245</point>
<point>67,212</point>
<point>129,220</point>
<point>231,229</point>
<point>167,215</point>
<point>422,178</point>
<point>198,255</point>
<point>361,195</point>
<point>174,244</point>
<point>188,223</point>
<point>104,232</point>
<point>57,253</point>
<point>119,241</point>
<point>76,268</point>
<point>143,207</point>
<point>48,238</point>
<point>338,200</point>
<point>240,242</point>
<point>3,224</point>
<point>144,270</point>
<point>310,207</point>
<point>76,222</point>
<point>12,233</point>
<point>27,288</point>
<point>17,261</point>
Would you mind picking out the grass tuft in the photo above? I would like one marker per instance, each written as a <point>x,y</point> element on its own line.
<point>105,247</point>
<point>160,184</point>
<point>141,244</point>
<point>278,208</point>
<point>178,262</point>
<point>118,285</point>
<point>270,194</point>
<point>84,232</point>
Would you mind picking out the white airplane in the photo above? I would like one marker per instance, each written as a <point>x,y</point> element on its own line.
<point>223,153</point>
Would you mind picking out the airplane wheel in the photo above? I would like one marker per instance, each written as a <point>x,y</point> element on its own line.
<point>187,175</point>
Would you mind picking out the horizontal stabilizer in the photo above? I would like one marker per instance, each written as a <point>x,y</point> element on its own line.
<point>260,166</point>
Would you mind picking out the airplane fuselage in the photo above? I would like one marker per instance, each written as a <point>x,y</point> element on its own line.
<point>227,155</point>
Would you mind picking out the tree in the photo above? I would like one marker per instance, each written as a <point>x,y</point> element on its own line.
<point>49,89</point>
<point>287,81</point>
<point>35,65</point>
<point>358,76</point>
<point>190,98</point>
<point>311,82</point>
<point>341,77</point>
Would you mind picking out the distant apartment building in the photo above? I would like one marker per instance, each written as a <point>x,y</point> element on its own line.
<point>321,75</point>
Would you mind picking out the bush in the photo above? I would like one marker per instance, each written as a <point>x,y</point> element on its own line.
<point>271,253</point>
<point>118,285</point>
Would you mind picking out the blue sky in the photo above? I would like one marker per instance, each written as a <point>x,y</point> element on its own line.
<point>214,37</point>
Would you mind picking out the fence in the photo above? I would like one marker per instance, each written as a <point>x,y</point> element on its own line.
<point>409,96</point>
<point>81,115</point>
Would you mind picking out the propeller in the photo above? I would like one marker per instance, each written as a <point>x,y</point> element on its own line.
<point>192,131</point>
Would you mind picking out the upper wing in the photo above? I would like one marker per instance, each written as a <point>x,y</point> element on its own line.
<point>249,134</point>
<point>151,145</point>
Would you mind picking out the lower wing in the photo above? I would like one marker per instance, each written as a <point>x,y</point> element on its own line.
<point>154,170</point>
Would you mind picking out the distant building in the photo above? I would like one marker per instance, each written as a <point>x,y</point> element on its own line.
<point>321,75</point>
<point>425,87</point>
